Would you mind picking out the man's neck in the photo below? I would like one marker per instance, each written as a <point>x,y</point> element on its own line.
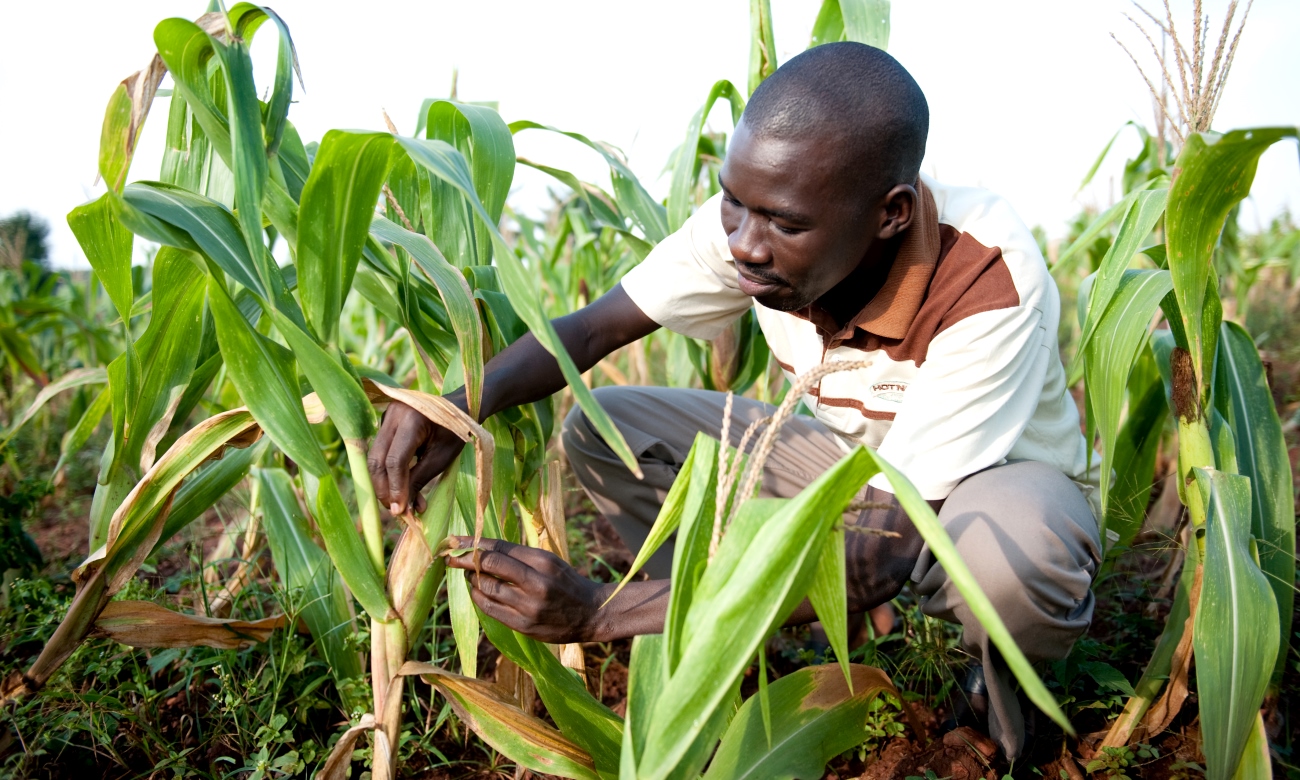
<point>845,300</point>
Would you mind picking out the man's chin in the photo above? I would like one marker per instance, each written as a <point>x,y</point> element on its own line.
<point>785,301</point>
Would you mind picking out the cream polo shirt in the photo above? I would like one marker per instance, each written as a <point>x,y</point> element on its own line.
<point>965,368</point>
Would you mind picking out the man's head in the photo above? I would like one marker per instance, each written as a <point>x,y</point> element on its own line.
<point>819,175</point>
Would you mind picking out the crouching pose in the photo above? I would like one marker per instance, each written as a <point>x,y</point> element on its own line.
<point>826,229</point>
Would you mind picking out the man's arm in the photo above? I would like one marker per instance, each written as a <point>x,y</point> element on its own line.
<point>522,373</point>
<point>536,593</point>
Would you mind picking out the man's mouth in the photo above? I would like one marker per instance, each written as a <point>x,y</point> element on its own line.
<point>756,286</point>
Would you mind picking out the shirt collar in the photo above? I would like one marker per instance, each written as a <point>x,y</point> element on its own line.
<point>890,312</point>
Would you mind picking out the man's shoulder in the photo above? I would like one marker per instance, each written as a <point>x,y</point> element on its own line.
<point>986,220</point>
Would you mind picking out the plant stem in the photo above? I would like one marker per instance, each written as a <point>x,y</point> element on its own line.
<point>367,503</point>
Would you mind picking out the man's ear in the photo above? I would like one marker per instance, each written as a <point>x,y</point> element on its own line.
<point>898,207</point>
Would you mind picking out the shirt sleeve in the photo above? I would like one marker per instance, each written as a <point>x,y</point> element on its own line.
<point>970,401</point>
<point>688,282</point>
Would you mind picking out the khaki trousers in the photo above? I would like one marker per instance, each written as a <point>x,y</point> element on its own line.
<point>1025,530</point>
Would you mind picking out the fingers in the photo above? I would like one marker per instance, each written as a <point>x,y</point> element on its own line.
<point>442,450</point>
<point>539,561</point>
<point>378,451</point>
<point>402,433</point>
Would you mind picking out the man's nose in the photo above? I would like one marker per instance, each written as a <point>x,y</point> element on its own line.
<point>747,243</point>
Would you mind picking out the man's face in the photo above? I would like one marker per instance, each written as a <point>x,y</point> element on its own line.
<point>794,223</point>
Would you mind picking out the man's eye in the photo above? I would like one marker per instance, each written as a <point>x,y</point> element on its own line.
<point>729,200</point>
<point>789,231</point>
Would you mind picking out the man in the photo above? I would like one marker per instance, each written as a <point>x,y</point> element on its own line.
<point>825,223</point>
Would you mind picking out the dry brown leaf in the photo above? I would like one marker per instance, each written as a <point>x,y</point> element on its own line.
<point>339,765</point>
<point>146,624</point>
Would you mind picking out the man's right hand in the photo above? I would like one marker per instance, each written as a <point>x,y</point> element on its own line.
<point>521,373</point>
<point>405,434</point>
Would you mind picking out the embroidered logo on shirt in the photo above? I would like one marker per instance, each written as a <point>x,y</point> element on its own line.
<point>889,391</point>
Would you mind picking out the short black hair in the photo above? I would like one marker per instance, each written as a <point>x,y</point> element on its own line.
<point>856,96</point>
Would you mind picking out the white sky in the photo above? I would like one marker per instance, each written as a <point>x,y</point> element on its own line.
<point>1022,94</point>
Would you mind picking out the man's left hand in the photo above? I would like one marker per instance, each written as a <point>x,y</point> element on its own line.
<point>532,591</point>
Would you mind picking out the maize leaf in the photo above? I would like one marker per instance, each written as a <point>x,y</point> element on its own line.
<point>485,141</point>
<point>1121,334</point>
<point>187,50</point>
<point>580,716</point>
<point>1135,461</point>
<point>1243,397</point>
<point>309,575</point>
<point>647,674</point>
<point>686,162</point>
<point>522,738</point>
<point>206,226</point>
<point>107,246</point>
<point>828,595</point>
<point>762,43</point>
<point>146,624</point>
<point>78,377</point>
<point>633,200</point>
<point>1138,223</point>
<point>1236,635</point>
<point>737,606</point>
<point>1214,173</point>
<point>446,163</point>
<point>123,121</point>
<point>75,438</point>
<point>456,296</point>
<point>248,150</point>
<point>864,21</point>
<point>337,206</point>
<point>945,552</point>
<point>815,717</point>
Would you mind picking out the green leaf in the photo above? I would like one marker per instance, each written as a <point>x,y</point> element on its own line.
<point>107,246</point>
<point>647,674</point>
<point>524,739</point>
<point>583,719</point>
<point>1138,223</point>
<point>1236,635</point>
<point>1122,332</point>
<point>945,552</point>
<point>762,43</point>
<point>816,716</point>
<point>187,50</point>
<point>686,161</point>
<point>829,597</point>
<point>166,354</point>
<point>205,486</point>
<point>485,141</point>
<point>79,377</point>
<point>633,200</point>
<point>456,296</point>
<point>1107,677</point>
<point>760,573</point>
<point>1134,462</point>
<point>346,549</point>
<point>1214,173</point>
<point>338,203</point>
<point>306,571</point>
<point>248,150</point>
<point>203,224</point>
<point>263,373</point>
<point>866,21</point>
<point>76,437</point>
<point>1243,397</point>
<point>447,164</point>
<point>339,392</point>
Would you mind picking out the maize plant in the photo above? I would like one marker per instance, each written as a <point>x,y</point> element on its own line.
<point>1232,607</point>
